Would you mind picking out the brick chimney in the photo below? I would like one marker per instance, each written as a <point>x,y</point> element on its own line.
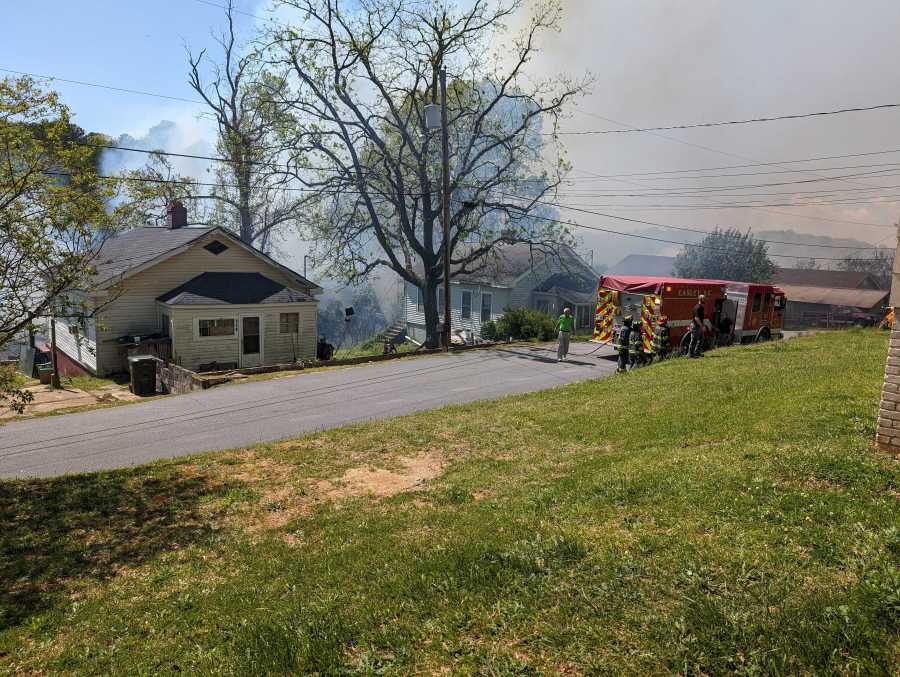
<point>176,215</point>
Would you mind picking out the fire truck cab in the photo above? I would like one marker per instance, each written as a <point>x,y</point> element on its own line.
<point>755,311</point>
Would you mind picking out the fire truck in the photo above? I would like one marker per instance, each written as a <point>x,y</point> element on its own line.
<point>734,311</point>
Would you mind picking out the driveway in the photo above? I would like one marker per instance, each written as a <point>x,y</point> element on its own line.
<point>264,411</point>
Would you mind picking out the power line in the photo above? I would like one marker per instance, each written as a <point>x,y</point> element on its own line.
<point>742,166</point>
<point>704,232</point>
<point>575,224</point>
<point>696,125</point>
<point>99,86</point>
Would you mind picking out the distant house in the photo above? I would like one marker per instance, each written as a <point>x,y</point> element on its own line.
<point>195,296</point>
<point>642,264</point>
<point>517,276</point>
<point>816,297</point>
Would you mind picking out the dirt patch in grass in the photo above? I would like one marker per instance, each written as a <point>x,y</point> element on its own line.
<point>381,482</point>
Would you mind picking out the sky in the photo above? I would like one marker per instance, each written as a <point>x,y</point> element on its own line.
<point>654,63</point>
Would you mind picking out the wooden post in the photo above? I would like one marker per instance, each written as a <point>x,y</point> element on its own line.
<point>54,378</point>
<point>887,435</point>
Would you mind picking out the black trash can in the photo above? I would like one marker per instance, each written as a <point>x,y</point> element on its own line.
<point>142,369</point>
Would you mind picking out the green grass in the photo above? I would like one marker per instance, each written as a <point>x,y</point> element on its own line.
<point>719,516</point>
<point>370,347</point>
<point>91,383</point>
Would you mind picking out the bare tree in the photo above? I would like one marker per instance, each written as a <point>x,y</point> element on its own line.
<point>252,194</point>
<point>361,77</point>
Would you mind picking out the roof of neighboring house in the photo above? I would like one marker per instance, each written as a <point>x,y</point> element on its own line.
<point>848,279</point>
<point>135,247</point>
<point>572,296</point>
<point>835,296</point>
<point>643,264</point>
<point>231,288</point>
<point>504,266</point>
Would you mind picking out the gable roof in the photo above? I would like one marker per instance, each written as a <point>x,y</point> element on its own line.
<point>846,279</point>
<point>231,288</point>
<point>643,264</point>
<point>129,252</point>
<point>836,296</point>
<point>138,246</point>
<point>508,263</point>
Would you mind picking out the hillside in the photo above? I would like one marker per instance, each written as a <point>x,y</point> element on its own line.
<point>724,515</point>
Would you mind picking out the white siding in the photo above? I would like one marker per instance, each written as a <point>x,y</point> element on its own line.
<point>134,310</point>
<point>191,350</point>
<point>416,319</point>
<point>78,343</point>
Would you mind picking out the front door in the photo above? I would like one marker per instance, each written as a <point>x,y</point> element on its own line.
<point>251,341</point>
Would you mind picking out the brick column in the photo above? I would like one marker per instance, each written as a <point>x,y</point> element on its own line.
<point>887,435</point>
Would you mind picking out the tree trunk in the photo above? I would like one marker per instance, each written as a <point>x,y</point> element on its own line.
<point>430,306</point>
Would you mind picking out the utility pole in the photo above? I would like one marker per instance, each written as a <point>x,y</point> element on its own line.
<point>445,207</point>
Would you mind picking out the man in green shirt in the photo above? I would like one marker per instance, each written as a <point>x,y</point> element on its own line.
<point>565,325</point>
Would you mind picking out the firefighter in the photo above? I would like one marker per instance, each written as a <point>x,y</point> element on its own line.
<point>622,342</point>
<point>635,348</point>
<point>661,338</point>
<point>697,322</point>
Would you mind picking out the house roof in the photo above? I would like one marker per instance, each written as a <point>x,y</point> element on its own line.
<point>233,289</point>
<point>643,264</point>
<point>848,279</point>
<point>504,266</point>
<point>573,296</point>
<point>835,296</point>
<point>133,248</point>
<point>130,251</point>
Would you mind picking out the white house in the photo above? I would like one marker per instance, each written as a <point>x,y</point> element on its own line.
<point>194,296</point>
<point>518,275</point>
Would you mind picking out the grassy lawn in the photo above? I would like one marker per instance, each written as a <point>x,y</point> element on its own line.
<point>723,515</point>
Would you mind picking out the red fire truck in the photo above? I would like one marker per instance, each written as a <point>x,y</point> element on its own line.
<point>734,311</point>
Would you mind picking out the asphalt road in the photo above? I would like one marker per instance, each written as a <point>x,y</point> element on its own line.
<point>264,411</point>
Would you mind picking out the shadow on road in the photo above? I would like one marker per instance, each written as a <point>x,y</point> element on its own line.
<point>89,527</point>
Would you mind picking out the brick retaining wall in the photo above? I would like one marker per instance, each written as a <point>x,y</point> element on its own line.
<point>887,435</point>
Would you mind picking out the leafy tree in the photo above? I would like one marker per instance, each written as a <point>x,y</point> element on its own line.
<point>880,265</point>
<point>53,215</point>
<point>363,76</point>
<point>726,255</point>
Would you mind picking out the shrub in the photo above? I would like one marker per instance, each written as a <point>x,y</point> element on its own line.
<point>526,323</point>
<point>489,331</point>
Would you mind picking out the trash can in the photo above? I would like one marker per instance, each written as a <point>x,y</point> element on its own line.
<point>142,369</point>
<point>45,372</point>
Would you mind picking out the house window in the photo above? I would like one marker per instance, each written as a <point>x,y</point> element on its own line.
<point>584,317</point>
<point>215,247</point>
<point>466,305</point>
<point>289,323</point>
<point>219,327</point>
<point>418,297</point>
<point>440,300</point>
<point>487,301</point>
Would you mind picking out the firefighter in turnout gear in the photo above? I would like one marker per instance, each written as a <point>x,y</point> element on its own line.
<point>661,339</point>
<point>622,343</point>
<point>635,347</point>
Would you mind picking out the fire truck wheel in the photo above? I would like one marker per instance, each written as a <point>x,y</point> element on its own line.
<point>763,335</point>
